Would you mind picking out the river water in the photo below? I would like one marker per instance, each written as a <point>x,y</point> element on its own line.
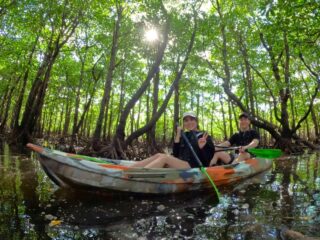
<point>285,197</point>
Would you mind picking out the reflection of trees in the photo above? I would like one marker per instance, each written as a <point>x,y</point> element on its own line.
<point>285,198</point>
<point>283,170</point>
<point>11,200</point>
<point>292,178</point>
<point>20,216</point>
<point>31,200</point>
<point>316,173</point>
<point>296,174</point>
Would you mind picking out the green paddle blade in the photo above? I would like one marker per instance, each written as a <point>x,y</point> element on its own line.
<point>266,153</point>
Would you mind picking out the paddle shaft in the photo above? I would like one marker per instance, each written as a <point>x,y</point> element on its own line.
<point>203,170</point>
<point>231,148</point>
<point>224,146</point>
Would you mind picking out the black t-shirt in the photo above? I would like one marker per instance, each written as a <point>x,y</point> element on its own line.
<point>244,138</point>
<point>182,151</point>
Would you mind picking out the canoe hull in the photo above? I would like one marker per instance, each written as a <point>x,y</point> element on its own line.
<point>71,176</point>
<point>66,170</point>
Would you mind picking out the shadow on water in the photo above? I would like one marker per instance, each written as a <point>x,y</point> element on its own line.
<point>32,207</point>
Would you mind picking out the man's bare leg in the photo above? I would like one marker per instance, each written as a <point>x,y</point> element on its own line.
<point>223,156</point>
<point>243,156</point>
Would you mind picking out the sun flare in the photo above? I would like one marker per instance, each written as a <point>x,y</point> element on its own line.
<point>151,35</point>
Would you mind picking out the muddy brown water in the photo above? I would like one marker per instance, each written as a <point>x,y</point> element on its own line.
<point>285,197</point>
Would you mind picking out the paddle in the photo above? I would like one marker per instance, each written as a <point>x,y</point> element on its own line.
<point>203,170</point>
<point>259,152</point>
<point>265,153</point>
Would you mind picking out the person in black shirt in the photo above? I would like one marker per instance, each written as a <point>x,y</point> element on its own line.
<point>246,138</point>
<point>182,156</point>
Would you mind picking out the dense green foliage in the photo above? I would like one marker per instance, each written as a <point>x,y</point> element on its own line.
<point>31,30</point>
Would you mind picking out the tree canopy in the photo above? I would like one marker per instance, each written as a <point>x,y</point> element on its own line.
<point>90,69</point>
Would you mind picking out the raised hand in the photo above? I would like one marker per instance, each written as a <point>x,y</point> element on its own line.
<point>203,140</point>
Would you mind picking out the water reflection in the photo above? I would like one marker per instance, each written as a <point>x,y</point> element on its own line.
<point>287,196</point>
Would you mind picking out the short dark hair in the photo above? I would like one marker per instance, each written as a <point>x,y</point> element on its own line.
<point>243,115</point>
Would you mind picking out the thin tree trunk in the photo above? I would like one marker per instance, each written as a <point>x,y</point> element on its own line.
<point>152,136</point>
<point>18,106</point>
<point>158,114</point>
<point>83,131</point>
<point>109,134</point>
<point>285,134</point>
<point>198,103</point>
<point>37,94</point>
<point>226,81</point>
<point>225,134</point>
<point>246,99</point>
<point>41,124</point>
<point>132,121</point>
<point>78,95</point>
<point>248,75</point>
<point>235,117</point>
<point>164,138</point>
<point>91,96</point>
<point>138,117</point>
<point>148,103</point>
<point>121,101</point>
<point>4,100</point>
<point>60,121</point>
<point>49,124</point>
<point>293,118</point>
<point>313,115</point>
<point>176,109</point>
<point>176,105</point>
<point>67,119</point>
<point>89,120</point>
<point>120,131</point>
<point>105,122</point>
<point>202,113</point>
<point>315,123</point>
<point>6,105</point>
<point>54,125</point>
<point>230,118</point>
<point>313,97</point>
<point>109,78</point>
<point>308,129</point>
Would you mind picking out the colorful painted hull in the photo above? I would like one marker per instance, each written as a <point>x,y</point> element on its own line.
<point>71,170</point>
